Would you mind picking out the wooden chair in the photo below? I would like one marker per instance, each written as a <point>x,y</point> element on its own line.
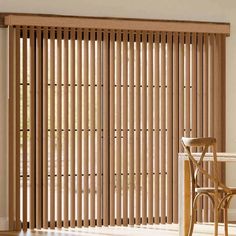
<point>220,195</point>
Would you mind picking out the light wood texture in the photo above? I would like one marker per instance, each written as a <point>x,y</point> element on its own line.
<point>137,127</point>
<point>38,130</point>
<point>144,127</point>
<point>79,129</point>
<point>125,128</point>
<point>45,129</point>
<point>52,128</point>
<point>163,129</point>
<point>118,121</point>
<point>92,125</point>
<point>119,24</point>
<point>32,128</point>
<point>86,127</point>
<point>150,128</point>
<point>65,125</point>
<point>131,130</point>
<point>59,128</point>
<point>169,129</point>
<point>156,133</point>
<point>72,129</point>
<point>112,128</point>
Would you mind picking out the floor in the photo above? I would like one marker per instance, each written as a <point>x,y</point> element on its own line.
<point>149,230</point>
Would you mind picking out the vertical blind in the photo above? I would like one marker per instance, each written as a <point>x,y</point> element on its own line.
<point>96,116</point>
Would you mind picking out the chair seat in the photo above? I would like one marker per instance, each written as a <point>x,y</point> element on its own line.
<point>212,189</point>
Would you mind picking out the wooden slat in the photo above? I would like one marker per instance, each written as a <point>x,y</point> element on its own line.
<point>163,129</point>
<point>118,121</point>
<point>99,140</point>
<point>156,133</point>
<point>118,23</point>
<point>137,127</point>
<point>144,128</point>
<point>194,86</point>
<point>32,128</point>
<point>105,129</point>
<point>112,128</point>
<point>72,128</point>
<point>211,105</point>
<point>199,111</point>
<point>45,128</point>
<point>65,141</point>
<point>187,71</point>
<point>175,123</point>
<point>38,129</point>
<point>59,127</point>
<point>181,89</point>
<point>131,130</point>
<point>150,128</point>
<point>79,128</point>
<point>170,130</point>
<point>17,161</point>
<point>85,112</point>
<point>92,140</point>
<point>52,128</point>
<point>12,128</point>
<point>205,116</point>
<point>125,128</point>
<point>25,118</point>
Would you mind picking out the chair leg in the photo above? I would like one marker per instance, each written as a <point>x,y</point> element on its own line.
<point>216,219</point>
<point>226,220</point>
<point>192,221</point>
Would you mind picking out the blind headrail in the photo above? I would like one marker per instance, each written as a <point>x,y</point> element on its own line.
<point>117,24</point>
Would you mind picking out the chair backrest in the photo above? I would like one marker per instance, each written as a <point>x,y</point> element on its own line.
<point>196,164</point>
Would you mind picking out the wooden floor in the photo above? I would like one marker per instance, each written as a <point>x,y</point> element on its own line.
<point>149,230</point>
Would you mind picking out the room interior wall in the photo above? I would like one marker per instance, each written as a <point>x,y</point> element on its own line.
<point>201,10</point>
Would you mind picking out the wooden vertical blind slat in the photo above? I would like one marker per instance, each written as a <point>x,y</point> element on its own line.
<point>85,112</point>
<point>45,128</point>
<point>205,116</point>
<point>144,127</point>
<point>72,129</point>
<point>112,129</point>
<point>79,128</point>
<point>18,150</point>
<point>150,128</point>
<point>92,117</point>
<point>175,123</point>
<point>25,140</point>
<point>137,127</point>
<point>38,130</point>
<point>105,129</point>
<point>59,128</point>
<point>97,120</point>
<point>52,128</point>
<point>156,133</point>
<point>131,130</point>
<point>169,129</point>
<point>118,121</point>
<point>163,129</point>
<point>65,141</point>
<point>99,127</point>
<point>125,128</point>
<point>32,128</point>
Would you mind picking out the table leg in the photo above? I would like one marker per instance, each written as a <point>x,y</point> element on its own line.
<point>184,197</point>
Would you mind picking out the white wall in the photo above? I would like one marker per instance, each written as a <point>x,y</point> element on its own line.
<point>201,10</point>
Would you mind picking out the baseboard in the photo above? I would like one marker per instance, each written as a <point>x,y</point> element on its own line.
<point>232,214</point>
<point>4,225</point>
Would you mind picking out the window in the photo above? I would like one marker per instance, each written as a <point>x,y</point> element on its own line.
<point>97,116</point>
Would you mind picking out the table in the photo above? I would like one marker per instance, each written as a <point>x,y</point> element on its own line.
<point>184,185</point>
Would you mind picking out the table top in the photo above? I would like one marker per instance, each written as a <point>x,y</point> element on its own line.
<point>221,156</point>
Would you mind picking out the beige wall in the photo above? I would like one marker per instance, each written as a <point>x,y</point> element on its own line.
<point>202,10</point>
